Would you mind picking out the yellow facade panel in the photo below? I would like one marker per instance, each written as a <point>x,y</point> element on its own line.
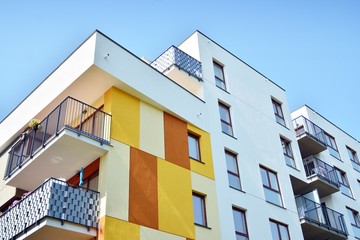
<point>175,201</point>
<point>118,229</point>
<point>125,111</point>
<point>206,166</point>
<point>152,234</point>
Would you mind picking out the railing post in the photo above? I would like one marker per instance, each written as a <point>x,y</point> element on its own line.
<point>45,130</point>
<point>81,113</point>
<point>58,120</point>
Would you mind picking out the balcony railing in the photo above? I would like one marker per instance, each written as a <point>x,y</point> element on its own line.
<point>175,57</point>
<point>315,167</point>
<point>70,114</point>
<point>320,215</point>
<point>304,126</point>
<point>55,199</point>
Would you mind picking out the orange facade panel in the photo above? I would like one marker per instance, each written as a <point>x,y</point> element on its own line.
<point>143,195</point>
<point>176,146</point>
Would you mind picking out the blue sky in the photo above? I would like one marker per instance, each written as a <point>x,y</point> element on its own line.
<point>310,48</point>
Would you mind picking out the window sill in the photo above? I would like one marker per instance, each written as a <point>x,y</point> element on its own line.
<point>293,167</point>
<point>240,190</point>
<point>225,90</point>
<point>276,205</point>
<point>348,196</point>
<point>199,161</point>
<point>199,225</point>
<point>229,135</point>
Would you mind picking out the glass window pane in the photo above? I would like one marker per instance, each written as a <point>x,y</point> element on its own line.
<point>234,181</point>
<point>273,197</point>
<point>284,232</point>
<point>264,177</point>
<point>274,231</point>
<point>194,151</point>
<point>273,181</point>
<point>231,163</point>
<point>239,220</point>
<point>199,210</point>
<point>224,113</point>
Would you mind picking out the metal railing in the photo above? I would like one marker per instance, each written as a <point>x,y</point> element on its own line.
<point>320,215</point>
<point>55,199</point>
<point>174,56</point>
<point>315,167</point>
<point>70,114</point>
<point>304,126</point>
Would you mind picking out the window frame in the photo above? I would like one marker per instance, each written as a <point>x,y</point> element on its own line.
<point>343,181</point>
<point>355,218</point>
<point>270,187</point>
<point>287,151</point>
<point>198,148</point>
<point>218,80</point>
<point>352,155</point>
<point>331,143</point>
<point>203,209</point>
<point>243,214</point>
<point>222,121</point>
<point>229,172</point>
<point>278,224</point>
<point>278,111</point>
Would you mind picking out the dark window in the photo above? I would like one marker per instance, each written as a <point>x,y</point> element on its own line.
<point>199,209</point>
<point>279,231</point>
<point>194,147</point>
<point>225,118</point>
<point>232,170</point>
<point>330,141</point>
<point>240,224</point>
<point>288,155</point>
<point>219,76</point>
<point>278,113</point>
<point>271,186</point>
<point>344,183</point>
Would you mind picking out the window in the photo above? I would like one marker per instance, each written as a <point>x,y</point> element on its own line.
<point>219,76</point>
<point>330,142</point>
<point>194,147</point>
<point>355,221</point>
<point>199,209</point>
<point>288,155</point>
<point>354,159</point>
<point>279,231</point>
<point>271,186</point>
<point>232,170</point>
<point>225,118</point>
<point>240,224</point>
<point>278,112</point>
<point>344,183</point>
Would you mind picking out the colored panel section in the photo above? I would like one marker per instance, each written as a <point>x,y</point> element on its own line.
<point>176,147</point>
<point>175,202</point>
<point>112,228</point>
<point>205,167</point>
<point>125,111</point>
<point>143,205</point>
<point>207,187</point>
<point>114,181</point>
<point>151,234</point>
<point>151,130</point>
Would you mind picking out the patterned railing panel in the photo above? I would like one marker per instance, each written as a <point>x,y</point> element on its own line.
<point>70,114</point>
<point>174,56</point>
<point>56,199</point>
<point>321,215</point>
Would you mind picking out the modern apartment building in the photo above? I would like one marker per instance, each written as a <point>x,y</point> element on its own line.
<point>194,145</point>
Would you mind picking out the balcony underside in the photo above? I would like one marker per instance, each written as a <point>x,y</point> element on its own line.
<point>324,187</point>
<point>63,157</point>
<point>312,230</point>
<point>309,146</point>
<point>53,229</point>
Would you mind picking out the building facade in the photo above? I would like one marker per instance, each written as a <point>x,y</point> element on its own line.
<point>193,145</point>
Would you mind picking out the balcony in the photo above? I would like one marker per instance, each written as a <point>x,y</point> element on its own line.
<point>54,210</point>
<point>311,138</point>
<point>181,68</point>
<point>320,222</point>
<point>72,136</point>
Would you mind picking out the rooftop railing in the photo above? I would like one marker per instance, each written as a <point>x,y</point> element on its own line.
<point>320,215</point>
<point>55,199</point>
<point>71,114</point>
<point>315,167</point>
<point>175,57</point>
<point>304,126</point>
